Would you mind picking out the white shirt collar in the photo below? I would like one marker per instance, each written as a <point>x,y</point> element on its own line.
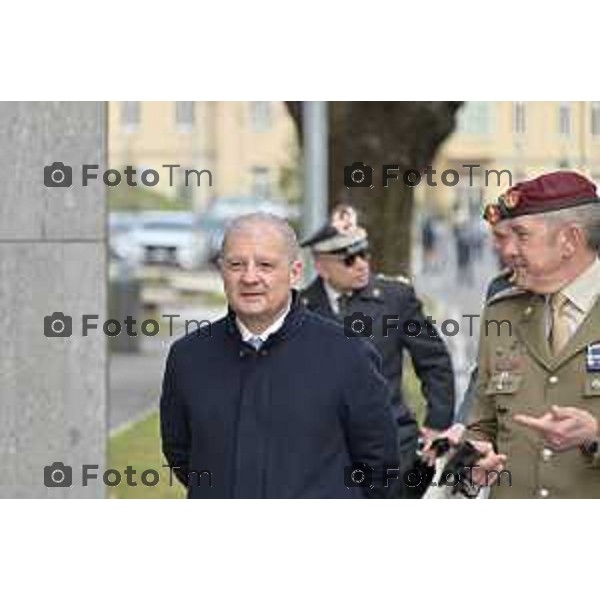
<point>584,290</point>
<point>275,326</point>
<point>333,296</point>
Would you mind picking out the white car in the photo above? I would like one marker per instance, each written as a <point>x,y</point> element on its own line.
<point>168,238</point>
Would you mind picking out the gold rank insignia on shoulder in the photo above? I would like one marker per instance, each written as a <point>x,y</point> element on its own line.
<point>398,278</point>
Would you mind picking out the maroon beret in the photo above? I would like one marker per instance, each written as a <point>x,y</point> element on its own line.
<point>554,191</point>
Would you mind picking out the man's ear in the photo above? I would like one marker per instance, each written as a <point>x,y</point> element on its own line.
<point>573,240</point>
<point>318,265</point>
<point>296,269</point>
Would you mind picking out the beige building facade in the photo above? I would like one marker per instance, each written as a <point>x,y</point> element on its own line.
<point>510,141</point>
<point>248,147</point>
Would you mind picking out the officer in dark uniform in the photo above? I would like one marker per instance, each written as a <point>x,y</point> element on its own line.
<point>383,308</point>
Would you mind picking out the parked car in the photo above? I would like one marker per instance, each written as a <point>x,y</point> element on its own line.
<point>120,224</point>
<point>166,238</point>
<point>214,220</point>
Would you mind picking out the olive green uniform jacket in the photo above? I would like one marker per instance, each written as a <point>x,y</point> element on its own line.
<point>518,374</point>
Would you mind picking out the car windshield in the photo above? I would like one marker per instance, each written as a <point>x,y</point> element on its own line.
<point>170,226</point>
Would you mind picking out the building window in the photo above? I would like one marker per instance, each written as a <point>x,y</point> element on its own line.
<point>474,118</point>
<point>564,119</point>
<point>261,182</point>
<point>130,116</point>
<point>185,115</point>
<point>519,117</point>
<point>595,118</point>
<point>261,115</point>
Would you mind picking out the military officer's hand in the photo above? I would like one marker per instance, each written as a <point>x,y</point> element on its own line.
<point>454,435</point>
<point>486,469</point>
<point>563,427</point>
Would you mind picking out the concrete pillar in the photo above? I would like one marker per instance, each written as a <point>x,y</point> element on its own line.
<point>53,390</point>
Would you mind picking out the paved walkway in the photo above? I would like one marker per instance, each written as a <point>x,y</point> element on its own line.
<point>135,379</point>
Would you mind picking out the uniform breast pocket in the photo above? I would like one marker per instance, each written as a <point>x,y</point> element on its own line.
<point>504,383</point>
<point>503,387</point>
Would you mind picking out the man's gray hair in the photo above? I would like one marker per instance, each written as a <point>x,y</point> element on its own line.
<point>587,217</point>
<point>258,220</point>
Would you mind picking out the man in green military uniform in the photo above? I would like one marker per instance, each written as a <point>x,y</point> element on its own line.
<point>536,406</point>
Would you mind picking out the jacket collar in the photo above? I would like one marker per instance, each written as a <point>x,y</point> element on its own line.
<point>531,329</point>
<point>316,296</point>
<point>292,322</point>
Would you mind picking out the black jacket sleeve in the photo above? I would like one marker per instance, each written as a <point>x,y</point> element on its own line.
<point>465,407</point>
<point>431,360</point>
<point>371,431</point>
<point>174,424</point>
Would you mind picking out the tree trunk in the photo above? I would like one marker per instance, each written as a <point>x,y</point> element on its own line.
<point>403,134</point>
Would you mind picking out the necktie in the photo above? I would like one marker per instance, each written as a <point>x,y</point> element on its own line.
<point>559,334</point>
<point>343,300</point>
<point>255,342</point>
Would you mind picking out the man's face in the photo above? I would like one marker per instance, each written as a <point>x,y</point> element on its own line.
<point>344,274</point>
<point>501,238</point>
<point>535,250</point>
<point>258,273</point>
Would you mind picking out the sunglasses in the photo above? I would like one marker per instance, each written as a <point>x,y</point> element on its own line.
<point>350,260</point>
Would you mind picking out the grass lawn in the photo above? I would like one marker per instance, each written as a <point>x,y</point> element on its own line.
<point>139,447</point>
<point>411,390</point>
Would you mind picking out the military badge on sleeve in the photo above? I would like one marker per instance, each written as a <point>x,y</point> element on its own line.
<point>592,359</point>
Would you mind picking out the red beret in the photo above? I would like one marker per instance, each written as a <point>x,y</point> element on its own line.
<point>554,191</point>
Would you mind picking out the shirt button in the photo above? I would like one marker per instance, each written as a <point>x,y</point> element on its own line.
<point>596,384</point>
<point>547,454</point>
<point>553,379</point>
<point>263,352</point>
<point>544,493</point>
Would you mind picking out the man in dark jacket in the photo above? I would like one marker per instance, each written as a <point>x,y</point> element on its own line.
<point>273,401</point>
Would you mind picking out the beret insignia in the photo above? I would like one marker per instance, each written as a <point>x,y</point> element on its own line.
<point>512,199</point>
<point>492,214</point>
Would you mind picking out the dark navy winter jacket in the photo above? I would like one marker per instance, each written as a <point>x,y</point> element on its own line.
<point>287,421</point>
